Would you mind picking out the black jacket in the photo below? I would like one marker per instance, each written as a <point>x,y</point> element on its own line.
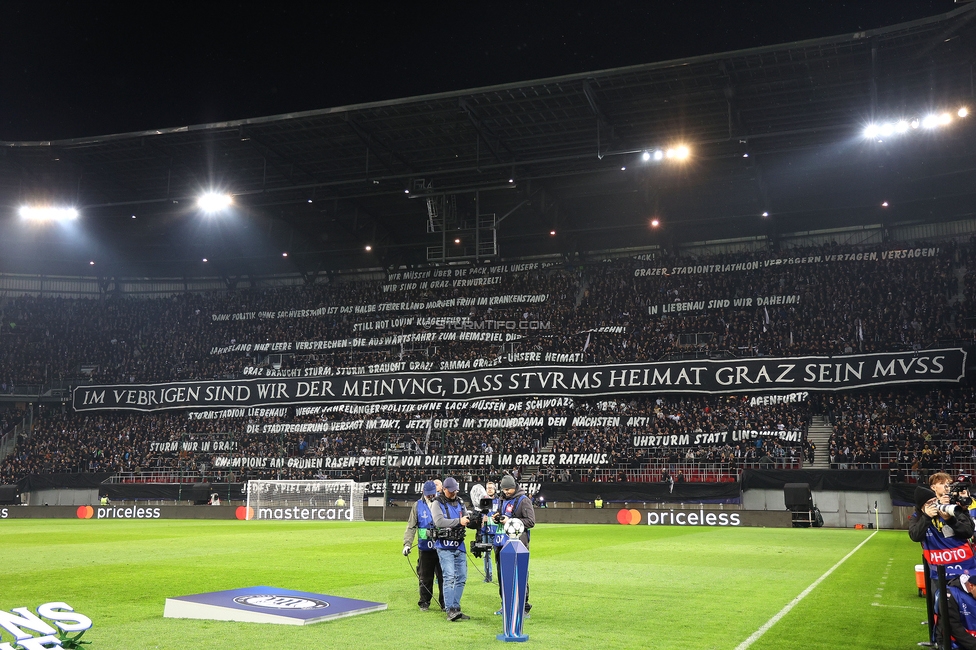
<point>962,525</point>
<point>524,511</point>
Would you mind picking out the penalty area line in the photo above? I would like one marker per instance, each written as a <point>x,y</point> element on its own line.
<point>793,603</point>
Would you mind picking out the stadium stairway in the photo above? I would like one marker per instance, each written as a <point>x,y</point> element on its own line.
<point>819,434</point>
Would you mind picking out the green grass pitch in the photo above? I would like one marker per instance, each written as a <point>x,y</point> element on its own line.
<point>592,586</point>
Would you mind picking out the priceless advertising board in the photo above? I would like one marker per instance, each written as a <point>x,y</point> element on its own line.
<point>706,518</point>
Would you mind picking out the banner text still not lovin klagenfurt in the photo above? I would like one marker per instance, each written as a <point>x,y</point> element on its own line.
<point>694,376</point>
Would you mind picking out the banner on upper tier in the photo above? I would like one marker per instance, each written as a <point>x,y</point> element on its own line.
<point>692,376</point>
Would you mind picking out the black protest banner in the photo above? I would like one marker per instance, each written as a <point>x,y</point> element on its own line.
<point>410,460</point>
<point>694,376</point>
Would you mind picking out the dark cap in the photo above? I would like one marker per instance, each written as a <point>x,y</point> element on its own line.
<point>508,483</point>
<point>430,489</point>
<point>450,484</point>
<point>922,496</point>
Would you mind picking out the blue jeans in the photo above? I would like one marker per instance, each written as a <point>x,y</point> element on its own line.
<point>454,564</point>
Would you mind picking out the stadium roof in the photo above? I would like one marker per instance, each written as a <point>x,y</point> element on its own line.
<point>776,129</point>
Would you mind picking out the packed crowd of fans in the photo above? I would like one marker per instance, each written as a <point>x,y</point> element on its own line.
<point>825,300</point>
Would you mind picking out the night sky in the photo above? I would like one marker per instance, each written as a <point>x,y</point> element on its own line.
<point>78,69</point>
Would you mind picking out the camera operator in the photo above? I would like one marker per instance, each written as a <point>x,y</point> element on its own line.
<point>942,524</point>
<point>428,566</point>
<point>514,504</point>
<point>449,521</point>
<point>961,610</point>
<point>964,482</point>
<point>489,527</point>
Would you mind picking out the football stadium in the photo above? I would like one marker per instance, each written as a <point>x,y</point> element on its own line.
<point>672,354</point>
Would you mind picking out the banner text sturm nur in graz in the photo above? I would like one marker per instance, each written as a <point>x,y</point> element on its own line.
<point>698,376</point>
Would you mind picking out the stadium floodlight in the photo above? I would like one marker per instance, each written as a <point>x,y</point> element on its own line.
<point>204,259</point>
<point>884,204</point>
<point>901,126</point>
<point>914,123</point>
<point>47,213</point>
<point>368,248</point>
<point>284,254</point>
<point>91,263</point>
<point>963,112</point>
<point>886,129</point>
<point>765,214</point>
<point>944,119</point>
<point>871,131</point>
<point>623,169</point>
<point>681,152</point>
<point>930,121</point>
<point>212,202</point>
<point>552,233</point>
<point>658,155</point>
<point>655,223</point>
<point>646,156</point>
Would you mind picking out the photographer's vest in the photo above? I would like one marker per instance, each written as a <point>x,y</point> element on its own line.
<point>451,511</point>
<point>967,611</point>
<point>952,552</point>
<point>425,521</point>
<point>508,509</point>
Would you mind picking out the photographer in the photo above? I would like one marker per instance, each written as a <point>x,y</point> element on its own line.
<point>514,505</point>
<point>961,609</point>
<point>942,524</point>
<point>489,528</point>
<point>449,521</point>
<point>428,566</point>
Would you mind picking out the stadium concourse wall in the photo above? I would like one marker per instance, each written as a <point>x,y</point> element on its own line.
<point>845,498</point>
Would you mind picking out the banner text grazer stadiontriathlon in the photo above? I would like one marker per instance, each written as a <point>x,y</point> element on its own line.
<point>696,376</point>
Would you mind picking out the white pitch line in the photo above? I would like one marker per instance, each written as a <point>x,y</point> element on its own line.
<point>786,610</point>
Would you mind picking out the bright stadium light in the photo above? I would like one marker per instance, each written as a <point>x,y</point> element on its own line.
<point>214,202</point>
<point>646,156</point>
<point>47,213</point>
<point>962,112</point>
<point>901,126</point>
<point>368,248</point>
<point>930,121</point>
<point>886,129</point>
<point>658,155</point>
<point>655,223</point>
<point>945,118</point>
<point>871,131</point>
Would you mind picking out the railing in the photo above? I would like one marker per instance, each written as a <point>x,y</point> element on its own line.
<point>690,471</point>
<point>174,476</point>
